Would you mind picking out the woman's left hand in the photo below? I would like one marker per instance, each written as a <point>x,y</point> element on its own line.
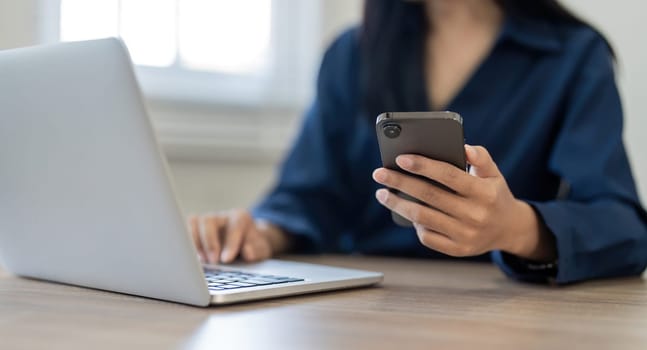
<point>482,215</point>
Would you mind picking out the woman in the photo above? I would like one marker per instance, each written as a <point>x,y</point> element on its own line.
<point>551,195</point>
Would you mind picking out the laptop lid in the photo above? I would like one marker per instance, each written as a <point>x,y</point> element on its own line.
<point>85,197</point>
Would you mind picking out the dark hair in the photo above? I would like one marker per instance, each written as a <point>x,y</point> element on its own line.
<point>386,84</point>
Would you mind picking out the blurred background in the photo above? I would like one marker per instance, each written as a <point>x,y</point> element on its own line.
<point>226,81</point>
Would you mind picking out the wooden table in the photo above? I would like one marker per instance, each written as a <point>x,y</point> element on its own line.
<point>420,304</point>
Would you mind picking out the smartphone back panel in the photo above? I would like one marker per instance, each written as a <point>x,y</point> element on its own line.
<point>436,135</point>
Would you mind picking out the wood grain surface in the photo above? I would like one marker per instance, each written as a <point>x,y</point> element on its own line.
<point>421,304</point>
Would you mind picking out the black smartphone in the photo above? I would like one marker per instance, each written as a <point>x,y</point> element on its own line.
<point>436,135</point>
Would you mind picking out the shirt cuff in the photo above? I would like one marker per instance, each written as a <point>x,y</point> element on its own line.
<point>557,221</point>
<point>525,270</point>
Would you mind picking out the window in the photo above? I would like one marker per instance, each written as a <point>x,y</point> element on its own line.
<point>225,79</point>
<point>242,52</point>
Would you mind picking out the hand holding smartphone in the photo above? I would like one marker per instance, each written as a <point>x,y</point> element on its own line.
<point>435,135</point>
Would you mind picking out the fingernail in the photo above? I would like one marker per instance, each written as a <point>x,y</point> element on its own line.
<point>212,258</point>
<point>381,195</point>
<point>224,256</point>
<point>405,162</point>
<point>471,151</point>
<point>379,175</point>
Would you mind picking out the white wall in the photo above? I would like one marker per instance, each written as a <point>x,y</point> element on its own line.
<point>17,23</point>
<point>213,183</point>
<point>623,22</point>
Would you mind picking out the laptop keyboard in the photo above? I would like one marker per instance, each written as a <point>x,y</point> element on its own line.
<point>228,279</point>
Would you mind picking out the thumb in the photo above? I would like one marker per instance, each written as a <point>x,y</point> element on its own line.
<point>481,161</point>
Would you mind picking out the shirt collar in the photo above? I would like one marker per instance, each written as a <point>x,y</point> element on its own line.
<point>534,34</point>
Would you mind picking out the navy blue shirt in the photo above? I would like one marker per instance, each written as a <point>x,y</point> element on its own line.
<point>545,105</point>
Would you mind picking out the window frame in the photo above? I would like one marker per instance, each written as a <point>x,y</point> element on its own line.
<point>293,52</point>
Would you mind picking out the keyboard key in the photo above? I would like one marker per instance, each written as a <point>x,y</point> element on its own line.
<point>224,279</point>
<point>229,286</point>
<point>259,281</point>
<point>241,284</point>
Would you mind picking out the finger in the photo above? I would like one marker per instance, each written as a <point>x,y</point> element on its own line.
<point>427,217</point>
<point>481,162</point>
<point>194,229</point>
<point>442,172</point>
<point>422,190</point>
<point>239,223</point>
<point>433,239</point>
<point>256,248</point>
<point>210,226</point>
<point>439,242</point>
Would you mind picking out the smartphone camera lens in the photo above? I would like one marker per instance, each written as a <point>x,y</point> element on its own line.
<point>391,130</point>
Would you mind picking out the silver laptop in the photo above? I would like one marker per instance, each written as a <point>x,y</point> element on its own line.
<point>85,196</point>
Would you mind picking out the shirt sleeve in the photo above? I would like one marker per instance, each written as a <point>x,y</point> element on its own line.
<point>311,200</point>
<point>600,226</point>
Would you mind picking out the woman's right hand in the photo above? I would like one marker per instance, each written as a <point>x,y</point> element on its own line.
<point>221,237</point>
